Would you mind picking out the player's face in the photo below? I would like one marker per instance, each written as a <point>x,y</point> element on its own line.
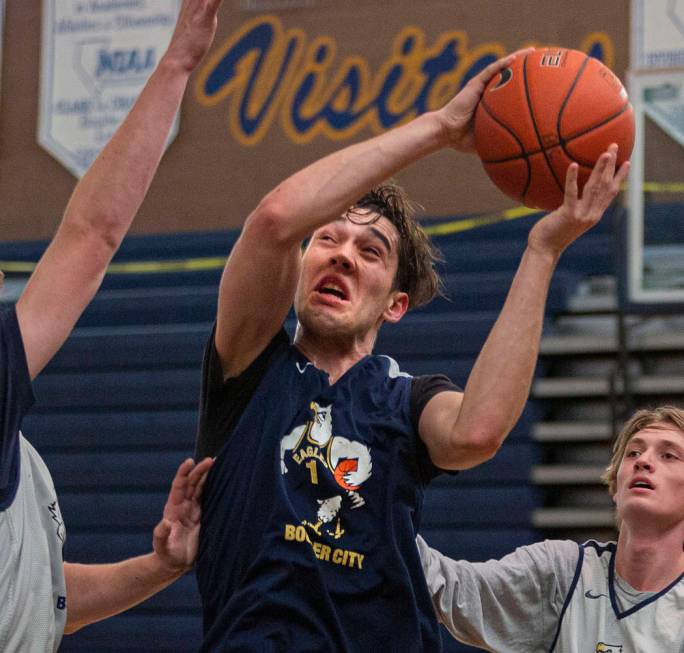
<point>346,282</point>
<point>650,479</point>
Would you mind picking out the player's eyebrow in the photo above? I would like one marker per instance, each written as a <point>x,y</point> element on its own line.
<point>385,241</point>
<point>661,444</point>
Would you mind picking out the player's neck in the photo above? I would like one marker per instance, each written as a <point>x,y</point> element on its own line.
<point>332,355</point>
<point>649,560</point>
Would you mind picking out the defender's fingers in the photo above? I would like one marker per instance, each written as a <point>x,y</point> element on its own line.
<point>199,488</point>
<point>162,530</point>
<point>180,480</point>
<point>196,475</point>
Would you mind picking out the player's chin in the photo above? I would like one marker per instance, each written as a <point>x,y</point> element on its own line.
<point>327,320</point>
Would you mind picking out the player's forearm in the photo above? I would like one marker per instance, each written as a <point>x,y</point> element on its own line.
<point>106,200</point>
<point>324,190</point>
<point>500,381</point>
<point>95,592</point>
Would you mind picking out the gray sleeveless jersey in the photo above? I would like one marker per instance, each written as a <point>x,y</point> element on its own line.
<point>32,587</point>
<point>554,596</point>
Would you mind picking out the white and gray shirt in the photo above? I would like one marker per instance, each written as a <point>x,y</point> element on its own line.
<point>554,596</point>
<point>32,585</point>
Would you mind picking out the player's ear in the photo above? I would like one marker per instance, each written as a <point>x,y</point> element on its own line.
<point>396,307</point>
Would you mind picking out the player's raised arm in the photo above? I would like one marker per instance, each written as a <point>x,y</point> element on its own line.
<point>464,430</point>
<point>106,200</point>
<point>258,283</point>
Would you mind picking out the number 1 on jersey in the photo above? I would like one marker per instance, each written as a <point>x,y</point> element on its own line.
<point>311,465</point>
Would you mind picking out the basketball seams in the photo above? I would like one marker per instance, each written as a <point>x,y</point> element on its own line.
<point>564,103</point>
<point>536,128</point>
<point>584,132</point>
<point>522,155</point>
<point>565,93</point>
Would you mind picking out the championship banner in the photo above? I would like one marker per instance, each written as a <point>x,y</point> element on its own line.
<point>96,56</point>
<point>657,34</point>
<point>662,98</point>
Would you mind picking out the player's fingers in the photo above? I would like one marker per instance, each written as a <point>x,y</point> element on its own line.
<point>196,476</point>
<point>180,480</point>
<point>199,488</point>
<point>621,174</point>
<point>571,184</point>
<point>609,170</point>
<point>597,171</point>
<point>522,52</point>
<point>162,530</point>
<point>496,67</point>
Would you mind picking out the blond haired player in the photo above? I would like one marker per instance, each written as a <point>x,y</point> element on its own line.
<point>612,597</point>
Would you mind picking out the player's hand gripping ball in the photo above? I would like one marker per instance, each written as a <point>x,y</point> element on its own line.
<point>549,108</point>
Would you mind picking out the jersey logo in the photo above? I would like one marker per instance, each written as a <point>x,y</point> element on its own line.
<point>302,368</point>
<point>590,595</point>
<point>348,462</point>
<point>56,516</point>
<point>608,648</point>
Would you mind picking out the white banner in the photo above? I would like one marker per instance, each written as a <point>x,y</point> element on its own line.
<point>96,57</point>
<point>657,34</point>
<point>661,97</point>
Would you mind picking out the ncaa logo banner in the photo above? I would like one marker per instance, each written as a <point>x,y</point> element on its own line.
<point>96,56</point>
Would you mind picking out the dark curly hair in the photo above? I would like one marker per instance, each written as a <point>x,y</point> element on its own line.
<point>416,275</point>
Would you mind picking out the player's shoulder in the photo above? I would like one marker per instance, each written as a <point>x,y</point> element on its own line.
<point>387,366</point>
<point>559,556</point>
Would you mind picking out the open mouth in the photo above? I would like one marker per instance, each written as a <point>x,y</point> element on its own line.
<point>332,287</point>
<point>641,484</point>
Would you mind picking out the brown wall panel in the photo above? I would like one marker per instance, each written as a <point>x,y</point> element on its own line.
<point>210,180</point>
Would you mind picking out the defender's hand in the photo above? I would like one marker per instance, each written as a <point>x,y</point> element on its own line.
<point>176,535</point>
<point>194,32</point>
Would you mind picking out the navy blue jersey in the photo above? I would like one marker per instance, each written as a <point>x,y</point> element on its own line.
<point>311,509</point>
<point>16,397</point>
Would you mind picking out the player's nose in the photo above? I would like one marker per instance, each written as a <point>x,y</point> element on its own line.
<point>342,257</point>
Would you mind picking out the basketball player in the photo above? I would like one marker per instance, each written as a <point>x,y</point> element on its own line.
<point>328,447</point>
<point>39,594</point>
<point>613,597</point>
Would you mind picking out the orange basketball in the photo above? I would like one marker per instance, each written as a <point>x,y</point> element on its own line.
<point>549,108</point>
<point>343,467</point>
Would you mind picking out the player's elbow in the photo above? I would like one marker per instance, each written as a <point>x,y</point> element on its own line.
<point>473,448</point>
<point>103,232</point>
<point>270,223</point>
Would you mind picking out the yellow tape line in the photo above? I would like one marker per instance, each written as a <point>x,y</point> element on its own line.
<point>663,187</point>
<point>217,262</point>
<point>445,228</point>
